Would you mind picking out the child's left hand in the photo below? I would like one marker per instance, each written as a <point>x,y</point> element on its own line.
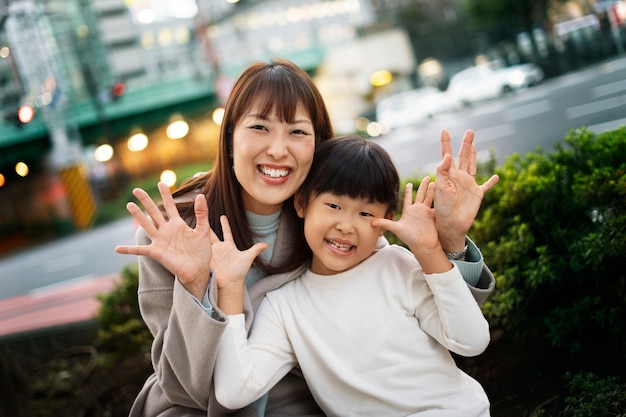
<point>416,227</point>
<point>230,266</point>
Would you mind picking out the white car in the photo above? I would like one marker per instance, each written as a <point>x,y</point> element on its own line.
<point>413,107</point>
<point>492,80</point>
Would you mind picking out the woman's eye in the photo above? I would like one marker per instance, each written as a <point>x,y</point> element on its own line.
<point>299,132</point>
<point>257,127</point>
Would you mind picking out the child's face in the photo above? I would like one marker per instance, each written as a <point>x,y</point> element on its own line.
<point>338,229</point>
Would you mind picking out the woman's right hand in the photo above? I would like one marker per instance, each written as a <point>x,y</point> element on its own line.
<point>184,251</point>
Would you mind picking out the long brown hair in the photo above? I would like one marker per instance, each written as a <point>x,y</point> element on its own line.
<point>279,87</point>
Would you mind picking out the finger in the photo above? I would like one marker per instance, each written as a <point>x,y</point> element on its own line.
<point>226,231</point>
<point>443,169</point>
<point>168,201</point>
<point>408,195</point>
<point>150,206</point>
<point>430,195</point>
<point>132,250</point>
<point>421,190</point>
<point>257,249</point>
<point>466,151</point>
<point>446,143</point>
<point>490,183</point>
<point>390,225</point>
<point>141,219</point>
<point>473,163</point>
<point>201,210</point>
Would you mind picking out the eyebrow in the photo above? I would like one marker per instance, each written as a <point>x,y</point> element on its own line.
<point>259,116</point>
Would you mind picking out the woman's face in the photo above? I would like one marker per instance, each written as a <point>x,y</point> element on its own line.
<point>271,158</point>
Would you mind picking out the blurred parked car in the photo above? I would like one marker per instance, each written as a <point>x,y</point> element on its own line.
<point>413,107</point>
<point>492,80</point>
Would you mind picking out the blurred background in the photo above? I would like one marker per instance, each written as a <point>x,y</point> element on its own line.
<point>97,94</point>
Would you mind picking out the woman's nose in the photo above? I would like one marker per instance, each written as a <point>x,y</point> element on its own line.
<point>278,147</point>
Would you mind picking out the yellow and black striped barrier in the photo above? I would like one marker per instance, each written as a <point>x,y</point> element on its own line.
<point>79,194</point>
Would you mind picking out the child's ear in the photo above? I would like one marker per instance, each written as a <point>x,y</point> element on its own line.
<point>298,204</point>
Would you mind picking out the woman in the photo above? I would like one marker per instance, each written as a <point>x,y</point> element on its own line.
<point>273,120</point>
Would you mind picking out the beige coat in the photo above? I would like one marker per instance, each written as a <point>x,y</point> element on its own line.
<point>186,341</point>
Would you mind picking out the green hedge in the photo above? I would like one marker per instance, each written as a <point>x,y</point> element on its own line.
<point>554,233</point>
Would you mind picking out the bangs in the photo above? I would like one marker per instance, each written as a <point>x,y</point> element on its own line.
<point>356,168</point>
<point>277,94</point>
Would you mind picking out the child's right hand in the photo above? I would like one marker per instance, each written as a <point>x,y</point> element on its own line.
<point>416,228</point>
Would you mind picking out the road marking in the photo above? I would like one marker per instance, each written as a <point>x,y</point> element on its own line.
<point>493,133</point>
<point>61,286</point>
<point>603,127</point>
<point>595,107</point>
<point>65,262</point>
<point>527,110</point>
<point>606,89</point>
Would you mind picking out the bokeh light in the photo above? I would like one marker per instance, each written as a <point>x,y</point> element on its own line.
<point>380,78</point>
<point>137,142</point>
<point>103,153</point>
<point>168,177</point>
<point>218,116</point>
<point>177,129</point>
<point>25,113</point>
<point>21,169</point>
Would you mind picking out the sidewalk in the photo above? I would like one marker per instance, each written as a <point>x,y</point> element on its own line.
<point>62,304</point>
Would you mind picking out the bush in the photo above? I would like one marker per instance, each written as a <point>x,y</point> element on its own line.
<point>122,331</point>
<point>591,396</point>
<point>553,231</point>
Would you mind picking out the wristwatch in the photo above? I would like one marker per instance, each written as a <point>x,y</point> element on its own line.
<point>457,256</point>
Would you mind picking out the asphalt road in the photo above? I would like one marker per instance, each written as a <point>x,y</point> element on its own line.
<point>540,116</point>
<point>74,260</point>
<point>536,117</point>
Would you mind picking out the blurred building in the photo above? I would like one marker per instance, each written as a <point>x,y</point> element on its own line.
<point>96,73</point>
<point>94,92</point>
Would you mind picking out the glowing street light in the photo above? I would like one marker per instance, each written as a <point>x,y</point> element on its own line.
<point>177,129</point>
<point>21,169</point>
<point>137,142</point>
<point>103,153</point>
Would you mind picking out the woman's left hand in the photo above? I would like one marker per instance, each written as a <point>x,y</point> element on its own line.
<point>457,195</point>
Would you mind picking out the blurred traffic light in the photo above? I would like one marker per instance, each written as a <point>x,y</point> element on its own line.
<point>25,113</point>
<point>118,90</point>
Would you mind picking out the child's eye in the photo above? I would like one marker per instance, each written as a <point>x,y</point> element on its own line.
<point>366,214</point>
<point>332,205</point>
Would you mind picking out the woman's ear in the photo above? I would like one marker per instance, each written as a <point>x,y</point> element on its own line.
<point>298,204</point>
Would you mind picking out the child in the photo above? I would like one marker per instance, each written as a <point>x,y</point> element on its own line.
<point>371,329</point>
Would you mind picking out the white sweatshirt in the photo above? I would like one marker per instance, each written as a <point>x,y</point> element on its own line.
<point>371,341</point>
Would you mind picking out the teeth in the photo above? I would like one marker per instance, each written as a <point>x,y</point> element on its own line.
<point>274,173</point>
<point>340,246</point>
